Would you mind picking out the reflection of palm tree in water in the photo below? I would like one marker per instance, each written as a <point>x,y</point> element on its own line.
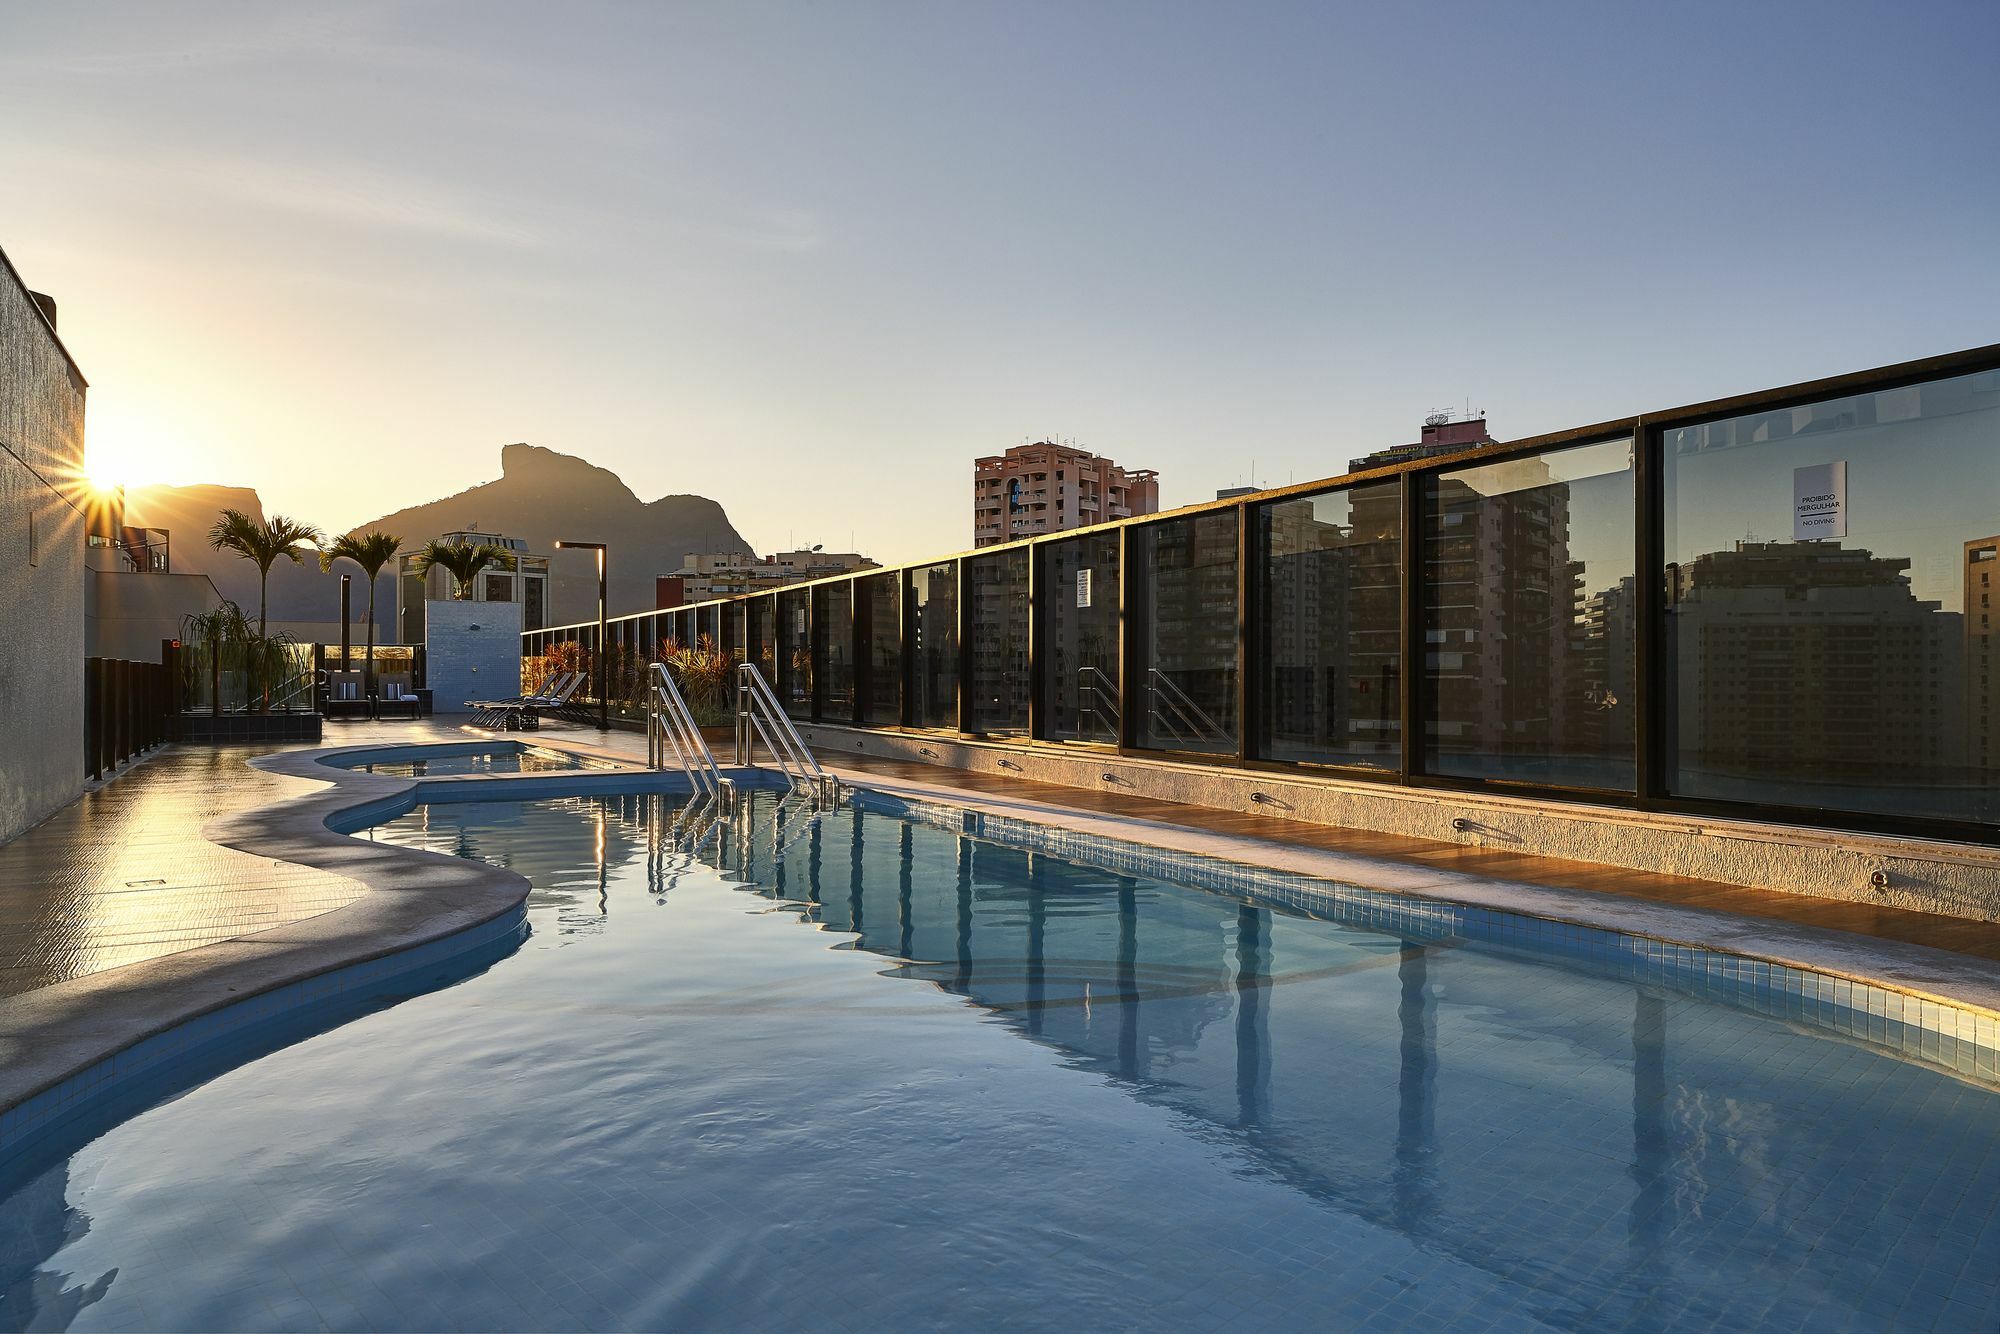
<point>41,1223</point>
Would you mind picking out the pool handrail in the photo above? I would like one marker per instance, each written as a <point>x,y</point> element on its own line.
<point>758,713</point>
<point>669,722</point>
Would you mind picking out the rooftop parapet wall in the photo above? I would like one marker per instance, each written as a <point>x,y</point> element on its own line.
<point>1934,876</point>
<point>41,562</point>
<point>41,390</point>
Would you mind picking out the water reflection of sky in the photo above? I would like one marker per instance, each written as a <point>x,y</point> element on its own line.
<point>1105,1099</point>
<point>1921,476</point>
<point>1497,1109</point>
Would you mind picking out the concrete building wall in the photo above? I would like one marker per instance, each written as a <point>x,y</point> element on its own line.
<point>41,563</point>
<point>472,651</point>
<point>128,615</point>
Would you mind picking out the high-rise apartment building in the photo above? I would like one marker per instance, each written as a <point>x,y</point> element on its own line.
<point>1048,488</point>
<point>1982,686</point>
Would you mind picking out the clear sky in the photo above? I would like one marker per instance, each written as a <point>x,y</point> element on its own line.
<point>811,259</point>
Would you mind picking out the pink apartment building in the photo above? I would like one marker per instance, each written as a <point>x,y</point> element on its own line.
<point>1047,488</point>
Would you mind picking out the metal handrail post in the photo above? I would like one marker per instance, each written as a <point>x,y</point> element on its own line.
<point>670,717</point>
<point>775,729</point>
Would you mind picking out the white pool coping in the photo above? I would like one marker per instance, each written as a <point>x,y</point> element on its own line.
<point>1960,980</point>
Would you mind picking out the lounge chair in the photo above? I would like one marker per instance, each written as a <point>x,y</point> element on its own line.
<point>344,697</point>
<point>572,707</point>
<point>562,703</point>
<point>494,712</point>
<point>523,711</point>
<point>393,692</point>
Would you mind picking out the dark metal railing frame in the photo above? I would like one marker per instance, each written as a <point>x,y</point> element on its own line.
<point>127,711</point>
<point>1653,696</point>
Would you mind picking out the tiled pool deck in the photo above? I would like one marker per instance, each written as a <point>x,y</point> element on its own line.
<point>124,874</point>
<point>104,900</point>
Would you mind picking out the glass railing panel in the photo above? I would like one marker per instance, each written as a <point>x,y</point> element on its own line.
<point>833,650</point>
<point>795,653</point>
<point>761,631</point>
<point>1829,626</point>
<point>1185,621</point>
<point>1331,632</point>
<point>879,603</point>
<point>1080,692</point>
<point>999,592</point>
<point>933,646</point>
<point>1529,662</point>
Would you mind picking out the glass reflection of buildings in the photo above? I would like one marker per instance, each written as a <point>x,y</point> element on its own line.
<point>1500,599</point>
<point>1188,614</point>
<point>1816,669</point>
<point>1814,657</point>
<point>1334,602</point>
<point>1080,637</point>
<point>1982,693</point>
<point>999,684</point>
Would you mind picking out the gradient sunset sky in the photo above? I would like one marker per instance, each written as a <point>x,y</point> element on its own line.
<point>810,260</point>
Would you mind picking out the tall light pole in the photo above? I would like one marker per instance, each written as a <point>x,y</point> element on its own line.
<point>603,648</point>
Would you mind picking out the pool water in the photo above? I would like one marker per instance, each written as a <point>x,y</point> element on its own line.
<point>509,760</point>
<point>877,1074</point>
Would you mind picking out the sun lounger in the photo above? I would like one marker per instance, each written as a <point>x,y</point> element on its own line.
<point>523,711</point>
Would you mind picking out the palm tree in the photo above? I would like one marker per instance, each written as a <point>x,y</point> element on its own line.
<point>262,543</point>
<point>371,552</point>
<point>462,560</point>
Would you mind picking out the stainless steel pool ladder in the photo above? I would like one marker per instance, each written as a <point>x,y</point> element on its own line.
<point>670,725</point>
<point>760,718</point>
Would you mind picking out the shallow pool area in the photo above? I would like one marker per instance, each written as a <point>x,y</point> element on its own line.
<point>442,762</point>
<point>862,1070</point>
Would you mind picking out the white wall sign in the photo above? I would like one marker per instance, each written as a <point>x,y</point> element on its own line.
<point>1819,501</point>
<point>1083,587</point>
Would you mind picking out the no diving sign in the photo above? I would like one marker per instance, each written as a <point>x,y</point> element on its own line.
<point>1819,501</point>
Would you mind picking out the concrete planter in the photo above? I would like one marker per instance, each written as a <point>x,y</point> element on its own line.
<point>204,729</point>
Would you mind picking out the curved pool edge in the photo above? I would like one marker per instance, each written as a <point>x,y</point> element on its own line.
<point>75,1042</point>
<point>68,1044</point>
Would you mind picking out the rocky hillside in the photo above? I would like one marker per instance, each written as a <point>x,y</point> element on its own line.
<point>540,496</point>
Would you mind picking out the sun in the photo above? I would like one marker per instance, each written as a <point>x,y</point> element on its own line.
<point>131,444</point>
<point>103,475</point>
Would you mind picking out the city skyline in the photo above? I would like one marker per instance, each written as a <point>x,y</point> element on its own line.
<point>336,256</point>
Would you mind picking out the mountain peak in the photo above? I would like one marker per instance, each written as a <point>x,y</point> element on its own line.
<point>524,464</point>
<point>541,495</point>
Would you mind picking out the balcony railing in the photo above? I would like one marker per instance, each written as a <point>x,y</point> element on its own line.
<point>139,550</point>
<point>1597,627</point>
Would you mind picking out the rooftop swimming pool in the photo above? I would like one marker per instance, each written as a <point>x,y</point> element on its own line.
<point>510,757</point>
<point>870,1071</point>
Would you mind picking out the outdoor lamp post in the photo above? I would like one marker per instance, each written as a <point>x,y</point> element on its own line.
<point>603,648</point>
